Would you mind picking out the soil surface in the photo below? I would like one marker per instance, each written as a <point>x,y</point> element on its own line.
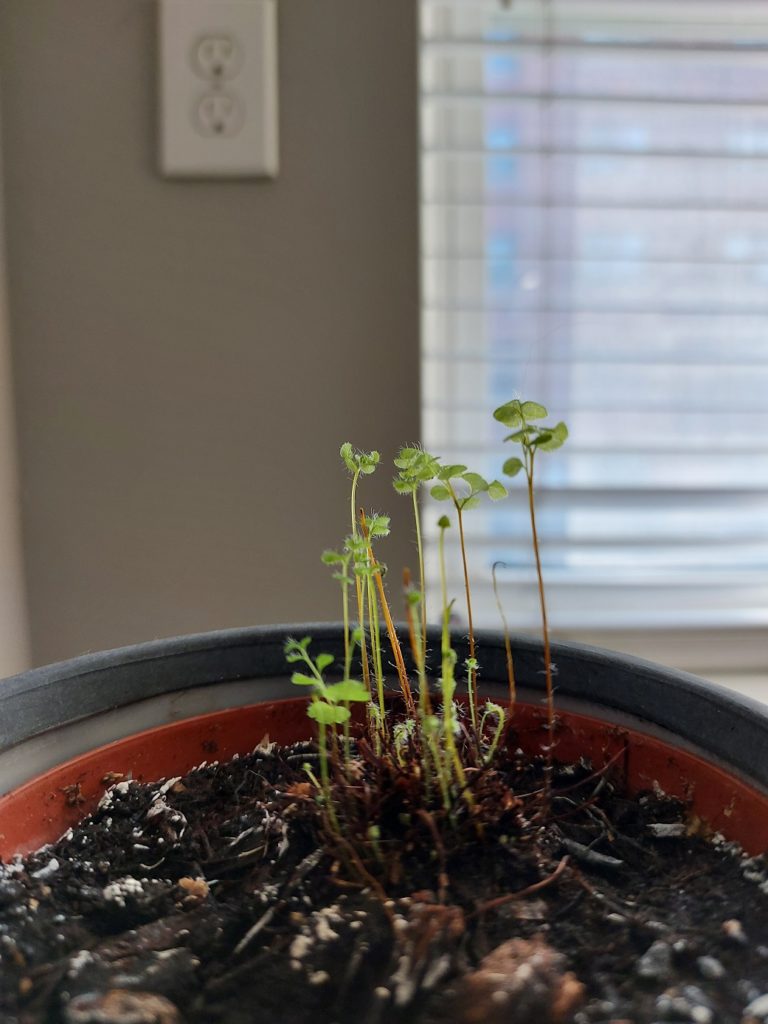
<point>209,899</point>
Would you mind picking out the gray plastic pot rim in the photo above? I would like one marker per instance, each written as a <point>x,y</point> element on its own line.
<point>709,718</point>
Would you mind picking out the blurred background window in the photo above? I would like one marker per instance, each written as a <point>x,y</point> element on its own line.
<point>595,237</point>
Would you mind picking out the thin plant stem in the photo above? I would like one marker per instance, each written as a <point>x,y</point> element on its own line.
<point>323,751</point>
<point>424,699</point>
<point>507,642</point>
<point>373,618</point>
<point>345,612</point>
<point>359,588</point>
<point>393,638</point>
<point>471,680</point>
<point>545,634</point>
<point>414,640</point>
<point>447,674</point>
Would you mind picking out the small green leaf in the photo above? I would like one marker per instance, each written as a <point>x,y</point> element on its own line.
<point>404,486</point>
<point>444,522</point>
<point>509,414</point>
<point>475,481</point>
<point>347,690</point>
<point>332,557</point>
<point>369,461</point>
<point>327,714</point>
<point>378,526</point>
<point>409,454</point>
<point>446,472</point>
<point>347,453</point>
<point>413,597</point>
<point>440,493</point>
<point>512,467</point>
<point>521,436</point>
<point>558,435</point>
<point>470,502</point>
<point>496,490</point>
<point>323,661</point>
<point>533,411</point>
<point>301,679</point>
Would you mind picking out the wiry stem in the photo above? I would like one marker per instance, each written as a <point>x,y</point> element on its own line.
<point>424,699</point>
<point>393,638</point>
<point>507,642</point>
<point>447,674</point>
<point>545,633</point>
<point>471,678</point>
<point>373,618</point>
<point>414,640</point>
<point>359,589</point>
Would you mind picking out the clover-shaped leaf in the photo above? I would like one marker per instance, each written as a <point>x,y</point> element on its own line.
<point>347,690</point>
<point>328,714</point>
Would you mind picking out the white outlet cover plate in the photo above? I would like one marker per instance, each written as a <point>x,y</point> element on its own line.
<point>218,88</point>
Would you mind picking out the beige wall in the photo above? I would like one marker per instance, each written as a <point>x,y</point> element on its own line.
<point>188,356</point>
<point>14,635</point>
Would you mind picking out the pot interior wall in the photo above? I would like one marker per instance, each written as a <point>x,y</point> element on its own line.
<point>39,811</point>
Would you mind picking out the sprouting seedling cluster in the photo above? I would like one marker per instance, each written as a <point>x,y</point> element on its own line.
<point>444,747</point>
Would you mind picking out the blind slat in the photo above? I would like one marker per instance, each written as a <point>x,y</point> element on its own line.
<point>595,236</point>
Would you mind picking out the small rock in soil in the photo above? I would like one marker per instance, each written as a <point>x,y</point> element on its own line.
<point>656,963</point>
<point>519,982</point>
<point>757,1010</point>
<point>120,1006</point>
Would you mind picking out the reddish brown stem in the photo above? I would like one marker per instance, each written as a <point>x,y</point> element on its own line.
<point>528,891</point>
<point>393,639</point>
<point>545,635</point>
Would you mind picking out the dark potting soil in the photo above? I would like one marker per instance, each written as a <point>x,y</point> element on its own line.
<point>209,898</point>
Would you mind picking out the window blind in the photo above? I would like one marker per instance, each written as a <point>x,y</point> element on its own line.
<point>595,237</point>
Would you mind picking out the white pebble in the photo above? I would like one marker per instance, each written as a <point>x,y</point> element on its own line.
<point>758,1008</point>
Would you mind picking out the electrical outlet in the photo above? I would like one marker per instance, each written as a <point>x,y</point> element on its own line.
<point>218,88</point>
<point>217,57</point>
<point>219,114</point>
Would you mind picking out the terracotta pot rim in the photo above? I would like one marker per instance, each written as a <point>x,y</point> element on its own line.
<point>41,809</point>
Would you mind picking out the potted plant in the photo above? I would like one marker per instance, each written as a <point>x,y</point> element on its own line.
<point>400,852</point>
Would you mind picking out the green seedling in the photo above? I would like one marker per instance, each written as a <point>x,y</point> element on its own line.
<point>448,664</point>
<point>533,438</point>
<point>359,464</point>
<point>330,701</point>
<point>463,488</point>
<point>380,526</point>
<point>416,468</point>
<point>496,711</point>
<point>367,570</point>
<point>340,561</point>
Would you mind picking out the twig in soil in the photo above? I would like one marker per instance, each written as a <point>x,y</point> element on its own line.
<point>590,856</point>
<point>365,875</point>
<point>443,880</point>
<point>521,893</point>
<point>308,864</point>
<point>605,900</point>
